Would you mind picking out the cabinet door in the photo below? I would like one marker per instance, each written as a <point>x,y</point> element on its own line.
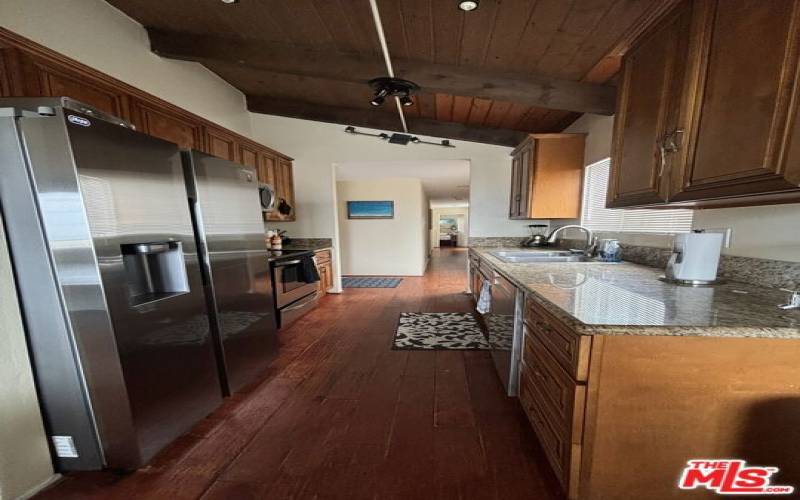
<point>740,110</point>
<point>521,177</point>
<point>11,76</point>
<point>45,79</point>
<point>513,201</point>
<point>286,186</point>
<point>268,173</point>
<point>527,163</point>
<point>221,144</point>
<point>165,124</point>
<point>248,155</point>
<point>648,109</point>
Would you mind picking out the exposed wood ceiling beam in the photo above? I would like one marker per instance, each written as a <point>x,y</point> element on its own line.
<point>539,91</point>
<point>381,120</point>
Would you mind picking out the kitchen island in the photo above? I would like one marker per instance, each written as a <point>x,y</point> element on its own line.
<point>625,378</point>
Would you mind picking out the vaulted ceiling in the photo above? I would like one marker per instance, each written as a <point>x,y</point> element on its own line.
<point>508,68</point>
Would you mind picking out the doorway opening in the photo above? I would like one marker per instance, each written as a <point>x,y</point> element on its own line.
<point>390,214</point>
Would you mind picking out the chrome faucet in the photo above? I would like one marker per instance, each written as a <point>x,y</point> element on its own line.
<point>552,237</point>
<point>794,299</point>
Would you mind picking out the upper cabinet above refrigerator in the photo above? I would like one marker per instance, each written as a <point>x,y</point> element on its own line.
<point>706,115</point>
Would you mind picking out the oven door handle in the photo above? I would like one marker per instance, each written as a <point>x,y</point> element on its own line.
<point>302,303</point>
<point>288,263</point>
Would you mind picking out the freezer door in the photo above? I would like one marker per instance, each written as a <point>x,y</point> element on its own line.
<point>135,201</point>
<point>230,231</point>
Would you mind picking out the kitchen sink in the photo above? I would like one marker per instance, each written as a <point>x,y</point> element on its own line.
<point>532,256</point>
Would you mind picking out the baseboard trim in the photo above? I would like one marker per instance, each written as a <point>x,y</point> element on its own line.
<point>40,487</point>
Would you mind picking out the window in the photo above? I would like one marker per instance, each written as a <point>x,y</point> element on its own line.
<point>599,218</point>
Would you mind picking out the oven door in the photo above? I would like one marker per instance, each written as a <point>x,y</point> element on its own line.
<point>289,286</point>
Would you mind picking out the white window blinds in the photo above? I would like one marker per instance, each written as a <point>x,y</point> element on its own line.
<point>599,218</point>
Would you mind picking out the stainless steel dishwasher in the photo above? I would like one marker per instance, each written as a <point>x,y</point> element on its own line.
<point>504,331</point>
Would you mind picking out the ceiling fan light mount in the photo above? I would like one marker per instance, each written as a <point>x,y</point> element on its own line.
<point>387,86</point>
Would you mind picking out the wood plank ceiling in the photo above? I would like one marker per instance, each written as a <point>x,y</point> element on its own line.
<point>507,68</point>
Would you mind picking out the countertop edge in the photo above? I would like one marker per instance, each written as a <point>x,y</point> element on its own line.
<point>782,333</point>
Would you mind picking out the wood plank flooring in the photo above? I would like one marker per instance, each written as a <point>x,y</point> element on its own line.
<point>339,415</point>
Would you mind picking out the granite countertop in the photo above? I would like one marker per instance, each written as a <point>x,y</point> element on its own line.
<point>628,299</point>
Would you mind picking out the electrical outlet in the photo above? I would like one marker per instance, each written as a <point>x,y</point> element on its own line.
<point>727,234</point>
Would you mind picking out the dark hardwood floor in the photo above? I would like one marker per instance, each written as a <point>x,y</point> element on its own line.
<point>340,415</point>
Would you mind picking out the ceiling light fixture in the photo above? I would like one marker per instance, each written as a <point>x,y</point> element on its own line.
<point>230,1</point>
<point>388,86</point>
<point>402,139</point>
<point>468,5</point>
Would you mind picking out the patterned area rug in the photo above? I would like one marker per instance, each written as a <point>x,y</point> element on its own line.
<point>439,331</point>
<point>365,282</point>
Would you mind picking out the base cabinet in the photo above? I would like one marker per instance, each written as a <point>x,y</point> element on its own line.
<point>619,416</point>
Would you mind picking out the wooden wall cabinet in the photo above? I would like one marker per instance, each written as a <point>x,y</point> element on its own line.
<point>221,144</point>
<point>161,122</point>
<point>28,69</point>
<point>546,177</point>
<point>705,117</point>
<point>279,173</point>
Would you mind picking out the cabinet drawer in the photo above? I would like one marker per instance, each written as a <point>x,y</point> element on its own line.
<point>570,349</point>
<point>552,438</point>
<point>563,396</point>
<point>323,256</point>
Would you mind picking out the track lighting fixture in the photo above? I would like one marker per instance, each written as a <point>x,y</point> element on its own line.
<point>402,139</point>
<point>387,86</point>
<point>468,5</point>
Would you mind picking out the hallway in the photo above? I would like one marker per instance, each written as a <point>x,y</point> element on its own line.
<point>340,415</point>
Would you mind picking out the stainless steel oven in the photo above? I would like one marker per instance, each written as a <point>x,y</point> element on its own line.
<point>294,295</point>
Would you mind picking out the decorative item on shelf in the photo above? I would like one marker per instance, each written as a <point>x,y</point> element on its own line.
<point>285,240</point>
<point>401,139</point>
<point>268,238</point>
<point>370,210</point>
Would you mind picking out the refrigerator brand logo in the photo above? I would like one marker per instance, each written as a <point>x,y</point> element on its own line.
<point>77,120</point>
<point>730,477</point>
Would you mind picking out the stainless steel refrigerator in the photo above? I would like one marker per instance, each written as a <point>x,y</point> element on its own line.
<point>226,210</point>
<point>109,281</point>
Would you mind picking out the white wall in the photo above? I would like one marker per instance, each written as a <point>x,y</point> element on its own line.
<point>767,232</point>
<point>461,214</point>
<point>384,247</point>
<point>98,35</point>
<point>24,457</point>
<point>315,146</point>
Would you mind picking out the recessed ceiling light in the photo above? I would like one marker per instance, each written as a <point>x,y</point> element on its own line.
<point>468,5</point>
<point>230,1</point>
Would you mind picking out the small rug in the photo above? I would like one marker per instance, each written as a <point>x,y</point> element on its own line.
<point>459,331</point>
<point>366,282</point>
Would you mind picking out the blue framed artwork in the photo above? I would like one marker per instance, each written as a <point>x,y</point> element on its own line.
<point>370,210</point>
